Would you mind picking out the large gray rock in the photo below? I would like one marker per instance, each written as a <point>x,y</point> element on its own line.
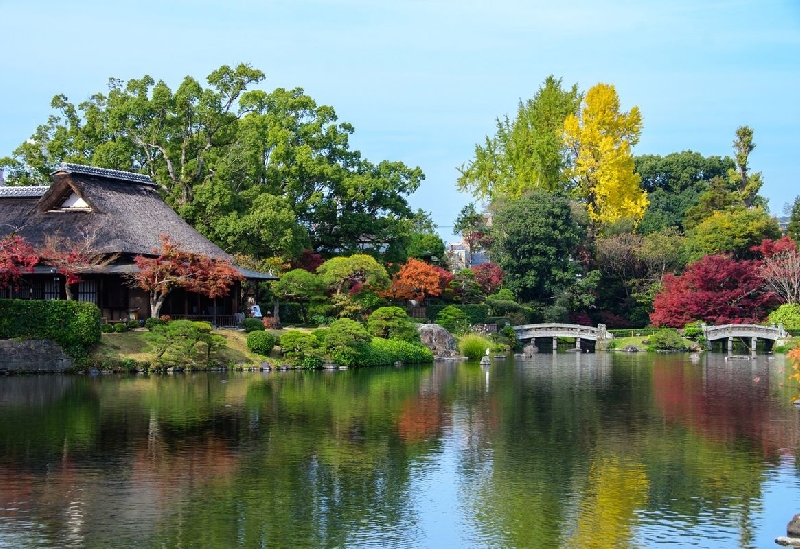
<point>438,340</point>
<point>793,528</point>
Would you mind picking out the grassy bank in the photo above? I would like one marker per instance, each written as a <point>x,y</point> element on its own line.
<point>120,350</point>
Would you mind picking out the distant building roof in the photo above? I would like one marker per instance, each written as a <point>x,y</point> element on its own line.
<point>23,192</point>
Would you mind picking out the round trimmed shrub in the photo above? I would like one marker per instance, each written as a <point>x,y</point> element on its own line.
<point>120,327</point>
<point>392,323</point>
<point>261,342</point>
<point>252,325</point>
<point>106,328</point>
<point>453,319</point>
<point>152,322</point>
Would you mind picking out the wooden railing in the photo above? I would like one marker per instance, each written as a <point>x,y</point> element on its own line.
<point>217,321</point>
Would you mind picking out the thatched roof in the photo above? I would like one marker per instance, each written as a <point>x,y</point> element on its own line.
<point>122,210</point>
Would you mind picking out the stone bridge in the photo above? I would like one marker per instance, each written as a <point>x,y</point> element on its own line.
<point>529,332</point>
<point>753,332</point>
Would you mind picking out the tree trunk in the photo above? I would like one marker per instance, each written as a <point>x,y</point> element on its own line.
<point>155,305</point>
<point>276,313</point>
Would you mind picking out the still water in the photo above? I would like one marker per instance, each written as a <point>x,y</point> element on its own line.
<point>568,450</point>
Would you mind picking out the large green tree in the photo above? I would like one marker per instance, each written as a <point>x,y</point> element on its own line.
<point>535,243</point>
<point>674,184</point>
<point>263,173</point>
<point>527,152</point>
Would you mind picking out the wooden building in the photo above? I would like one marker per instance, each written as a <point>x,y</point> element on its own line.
<point>123,214</point>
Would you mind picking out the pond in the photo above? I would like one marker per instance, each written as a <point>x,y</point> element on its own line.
<point>569,450</point>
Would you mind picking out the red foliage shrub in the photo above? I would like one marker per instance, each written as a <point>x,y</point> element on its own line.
<point>270,323</point>
<point>489,277</point>
<point>715,289</point>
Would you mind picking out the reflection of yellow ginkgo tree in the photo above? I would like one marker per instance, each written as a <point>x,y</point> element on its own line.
<point>616,488</point>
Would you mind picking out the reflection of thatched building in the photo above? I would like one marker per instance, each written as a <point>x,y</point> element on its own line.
<point>123,214</point>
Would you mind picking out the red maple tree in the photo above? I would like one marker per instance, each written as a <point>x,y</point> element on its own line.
<point>716,289</point>
<point>72,258</point>
<point>769,247</point>
<point>489,277</point>
<point>176,268</point>
<point>16,257</point>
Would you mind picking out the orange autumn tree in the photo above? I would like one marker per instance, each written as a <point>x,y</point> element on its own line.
<point>415,280</point>
<point>176,268</point>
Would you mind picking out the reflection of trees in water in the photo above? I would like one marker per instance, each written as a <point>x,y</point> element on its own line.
<point>598,455</point>
<point>542,451</point>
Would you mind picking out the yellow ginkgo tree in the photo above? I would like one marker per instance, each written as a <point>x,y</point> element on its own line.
<point>602,170</point>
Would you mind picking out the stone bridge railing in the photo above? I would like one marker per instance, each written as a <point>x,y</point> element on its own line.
<point>753,332</point>
<point>712,333</point>
<point>531,331</point>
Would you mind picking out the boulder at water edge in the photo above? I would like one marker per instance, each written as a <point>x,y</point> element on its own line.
<point>438,340</point>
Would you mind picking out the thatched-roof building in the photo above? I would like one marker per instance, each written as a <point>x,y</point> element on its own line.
<point>123,214</point>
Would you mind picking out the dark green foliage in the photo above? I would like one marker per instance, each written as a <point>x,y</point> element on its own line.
<point>453,319</point>
<point>674,184</point>
<point>303,349</point>
<point>385,352</point>
<point>106,328</point>
<point>392,323</point>
<point>667,339</point>
<point>693,330</point>
<point>503,303</point>
<point>536,243</point>
<point>252,325</point>
<point>74,325</point>
<point>292,313</point>
<point>120,327</point>
<point>344,340</point>
<point>426,247</point>
<point>261,342</point>
<point>475,314</point>
<point>151,322</point>
<point>183,343</point>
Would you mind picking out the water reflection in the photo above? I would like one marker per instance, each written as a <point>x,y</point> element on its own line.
<point>588,450</point>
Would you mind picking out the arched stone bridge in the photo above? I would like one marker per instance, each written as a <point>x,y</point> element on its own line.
<point>529,332</point>
<point>753,332</point>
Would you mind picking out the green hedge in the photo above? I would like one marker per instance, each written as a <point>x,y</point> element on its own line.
<point>385,352</point>
<point>476,314</point>
<point>74,325</point>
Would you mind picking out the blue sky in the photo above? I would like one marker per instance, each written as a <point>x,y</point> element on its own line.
<point>423,81</point>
